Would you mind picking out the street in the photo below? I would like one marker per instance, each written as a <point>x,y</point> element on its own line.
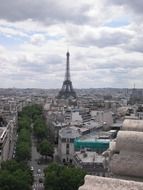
<point>36,167</point>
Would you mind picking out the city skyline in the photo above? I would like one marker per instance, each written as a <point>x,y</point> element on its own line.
<point>104,40</point>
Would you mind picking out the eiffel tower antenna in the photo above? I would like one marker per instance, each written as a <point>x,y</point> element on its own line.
<point>67,88</point>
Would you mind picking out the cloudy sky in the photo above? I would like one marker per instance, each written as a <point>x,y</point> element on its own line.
<point>104,37</point>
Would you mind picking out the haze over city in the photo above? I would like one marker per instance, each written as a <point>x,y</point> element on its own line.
<point>104,39</point>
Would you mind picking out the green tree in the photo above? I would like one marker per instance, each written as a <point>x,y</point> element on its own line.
<point>24,135</point>
<point>24,122</point>
<point>45,148</point>
<point>23,151</point>
<point>59,177</point>
<point>15,176</point>
<point>39,132</point>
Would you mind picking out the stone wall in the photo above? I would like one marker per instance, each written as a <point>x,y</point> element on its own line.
<point>132,125</point>
<point>103,183</point>
<point>129,141</point>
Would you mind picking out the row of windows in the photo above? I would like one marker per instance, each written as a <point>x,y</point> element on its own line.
<point>67,160</point>
<point>67,140</point>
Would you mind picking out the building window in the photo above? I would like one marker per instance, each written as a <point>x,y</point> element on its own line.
<point>67,146</point>
<point>63,140</point>
<point>68,140</point>
<point>71,140</point>
<point>67,151</point>
<point>64,160</point>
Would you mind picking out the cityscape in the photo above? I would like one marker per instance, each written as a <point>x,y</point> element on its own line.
<point>71,95</point>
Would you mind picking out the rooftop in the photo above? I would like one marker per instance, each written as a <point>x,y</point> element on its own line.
<point>89,157</point>
<point>2,131</point>
<point>96,136</point>
<point>69,132</point>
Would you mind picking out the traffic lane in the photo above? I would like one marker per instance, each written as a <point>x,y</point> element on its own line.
<point>37,168</point>
<point>38,175</point>
<point>38,180</point>
<point>35,157</point>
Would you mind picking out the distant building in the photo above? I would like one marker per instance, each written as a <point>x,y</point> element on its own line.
<point>4,144</point>
<point>136,96</point>
<point>7,133</point>
<point>104,117</point>
<point>86,115</point>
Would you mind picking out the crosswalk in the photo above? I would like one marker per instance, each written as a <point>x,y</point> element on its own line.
<point>38,186</point>
<point>38,175</point>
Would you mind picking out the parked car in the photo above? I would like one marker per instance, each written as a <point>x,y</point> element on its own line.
<point>39,171</point>
<point>40,180</point>
<point>13,156</point>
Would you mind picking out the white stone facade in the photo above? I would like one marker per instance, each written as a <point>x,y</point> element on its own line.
<point>66,143</point>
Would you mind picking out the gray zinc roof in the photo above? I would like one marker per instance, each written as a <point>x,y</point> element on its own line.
<point>69,132</point>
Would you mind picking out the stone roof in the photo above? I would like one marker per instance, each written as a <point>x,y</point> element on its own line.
<point>129,141</point>
<point>127,164</point>
<point>133,125</point>
<point>103,183</point>
<point>129,160</point>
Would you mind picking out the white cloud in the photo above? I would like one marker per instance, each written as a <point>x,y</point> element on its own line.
<point>37,39</point>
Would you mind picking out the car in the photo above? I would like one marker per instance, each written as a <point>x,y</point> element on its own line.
<point>32,169</point>
<point>39,171</point>
<point>40,180</point>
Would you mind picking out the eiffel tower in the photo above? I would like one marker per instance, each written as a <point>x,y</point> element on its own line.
<point>67,90</point>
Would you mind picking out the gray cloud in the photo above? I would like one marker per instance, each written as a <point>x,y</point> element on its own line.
<point>135,5</point>
<point>47,11</point>
<point>136,44</point>
<point>100,36</point>
<point>106,39</point>
<point>42,64</point>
